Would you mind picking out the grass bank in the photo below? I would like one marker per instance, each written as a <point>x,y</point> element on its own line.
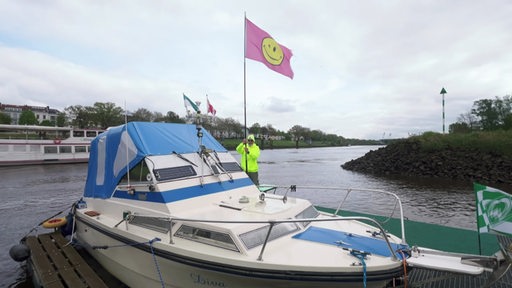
<point>231,144</point>
<point>497,142</point>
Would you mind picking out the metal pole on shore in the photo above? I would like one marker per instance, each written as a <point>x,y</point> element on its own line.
<point>442,93</point>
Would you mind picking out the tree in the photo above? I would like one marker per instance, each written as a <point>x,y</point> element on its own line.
<point>270,130</point>
<point>231,128</point>
<point>459,127</point>
<point>507,122</point>
<point>469,119</point>
<point>142,114</point>
<point>47,123</point>
<point>172,117</point>
<point>5,119</point>
<point>317,135</point>
<point>107,115</point>
<point>27,117</point>
<point>255,129</point>
<point>61,119</point>
<point>80,116</point>
<point>487,113</point>
<point>298,133</point>
<point>492,113</point>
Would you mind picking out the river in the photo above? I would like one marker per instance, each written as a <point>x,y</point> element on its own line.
<point>31,194</point>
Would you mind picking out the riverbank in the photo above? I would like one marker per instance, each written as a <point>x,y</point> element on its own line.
<point>231,144</point>
<point>481,158</point>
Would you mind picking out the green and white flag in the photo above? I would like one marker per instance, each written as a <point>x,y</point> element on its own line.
<point>189,102</point>
<point>493,210</point>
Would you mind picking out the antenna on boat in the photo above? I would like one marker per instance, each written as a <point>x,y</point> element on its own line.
<point>200,142</point>
<point>126,148</point>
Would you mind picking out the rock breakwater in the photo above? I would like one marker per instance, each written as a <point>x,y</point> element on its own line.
<point>409,158</point>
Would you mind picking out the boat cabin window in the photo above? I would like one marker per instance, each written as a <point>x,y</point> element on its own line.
<point>50,149</point>
<point>65,149</point>
<point>19,148</point>
<point>78,133</point>
<point>257,237</point>
<point>63,134</point>
<point>79,149</point>
<point>309,212</point>
<point>174,173</point>
<point>231,166</point>
<point>217,239</point>
<point>161,225</point>
<point>91,133</point>
<point>137,174</point>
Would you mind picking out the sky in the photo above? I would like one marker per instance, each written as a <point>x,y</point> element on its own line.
<point>362,69</point>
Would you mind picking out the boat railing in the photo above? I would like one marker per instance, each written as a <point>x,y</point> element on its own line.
<point>272,224</point>
<point>271,192</point>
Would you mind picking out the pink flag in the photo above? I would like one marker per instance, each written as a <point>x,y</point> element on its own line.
<point>210,107</point>
<point>260,46</point>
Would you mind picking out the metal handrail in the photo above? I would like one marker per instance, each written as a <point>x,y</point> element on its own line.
<point>272,223</point>
<point>349,190</point>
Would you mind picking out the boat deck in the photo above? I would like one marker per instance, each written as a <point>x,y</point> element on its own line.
<point>429,278</point>
<point>447,239</point>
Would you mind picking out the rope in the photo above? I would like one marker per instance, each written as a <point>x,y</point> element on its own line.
<point>156,262</point>
<point>405,267</point>
<point>41,223</point>
<point>361,255</point>
<point>150,242</point>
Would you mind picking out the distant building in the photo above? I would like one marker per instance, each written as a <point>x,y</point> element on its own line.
<point>42,113</point>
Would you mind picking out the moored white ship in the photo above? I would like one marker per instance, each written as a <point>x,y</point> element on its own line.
<point>27,144</point>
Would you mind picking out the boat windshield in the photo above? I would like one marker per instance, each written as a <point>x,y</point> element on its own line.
<point>205,236</point>
<point>257,237</point>
<point>309,212</point>
<point>139,173</point>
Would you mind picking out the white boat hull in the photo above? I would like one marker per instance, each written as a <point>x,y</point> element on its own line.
<point>135,266</point>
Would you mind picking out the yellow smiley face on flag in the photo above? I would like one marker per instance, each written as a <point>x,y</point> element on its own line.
<point>272,51</point>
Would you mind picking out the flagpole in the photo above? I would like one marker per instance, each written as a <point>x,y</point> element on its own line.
<point>245,89</point>
<point>477,225</point>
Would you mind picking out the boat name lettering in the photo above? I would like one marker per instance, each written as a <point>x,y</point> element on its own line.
<point>198,279</point>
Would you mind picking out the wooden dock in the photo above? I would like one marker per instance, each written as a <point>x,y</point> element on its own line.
<point>54,264</point>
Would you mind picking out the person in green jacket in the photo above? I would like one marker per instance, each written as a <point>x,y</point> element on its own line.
<point>250,153</point>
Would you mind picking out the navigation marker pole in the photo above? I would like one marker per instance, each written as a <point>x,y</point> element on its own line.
<point>443,92</point>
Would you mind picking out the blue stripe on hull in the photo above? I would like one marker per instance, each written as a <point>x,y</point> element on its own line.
<point>184,193</point>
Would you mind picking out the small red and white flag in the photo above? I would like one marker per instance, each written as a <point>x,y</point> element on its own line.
<point>210,107</point>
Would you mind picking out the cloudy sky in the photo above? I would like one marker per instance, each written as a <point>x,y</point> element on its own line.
<point>363,69</point>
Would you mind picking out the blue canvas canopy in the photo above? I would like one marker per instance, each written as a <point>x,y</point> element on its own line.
<point>120,148</point>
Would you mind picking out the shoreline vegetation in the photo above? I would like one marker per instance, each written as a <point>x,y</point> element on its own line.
<point>483,157</point>
<point>231,144</point>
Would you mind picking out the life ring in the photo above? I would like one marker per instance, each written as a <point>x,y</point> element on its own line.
<point>56,141</point>
<point>55,223</point>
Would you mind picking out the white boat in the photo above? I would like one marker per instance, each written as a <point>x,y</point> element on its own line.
<point>28,144</point>
<point>186,215</point>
